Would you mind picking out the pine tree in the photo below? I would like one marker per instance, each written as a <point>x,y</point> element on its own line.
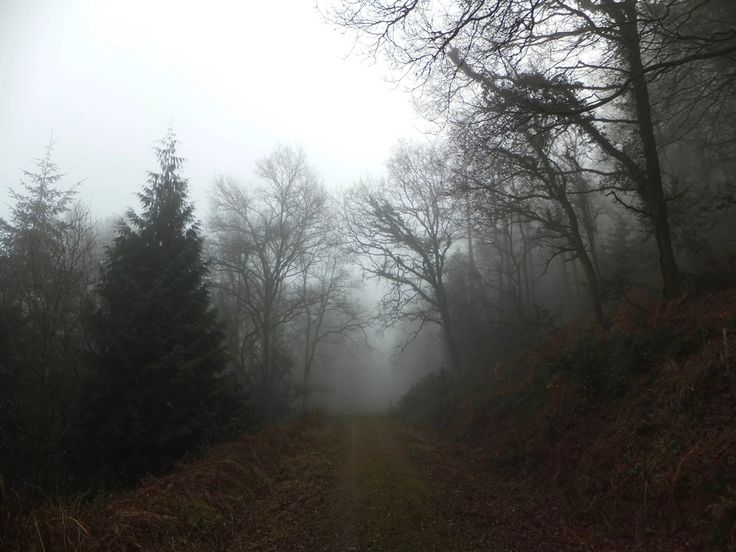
<point>160,344</point>
<point>45,266</point>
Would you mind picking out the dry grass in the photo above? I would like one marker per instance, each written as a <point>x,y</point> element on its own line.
<point>193,508</point>
<point>649,450</point>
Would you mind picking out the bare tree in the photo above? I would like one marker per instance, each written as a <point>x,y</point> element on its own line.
<point>259,236</point>
<point>402,230</point>
<point>328,314</point>
<point>590,63</point>
<point>531,172</point>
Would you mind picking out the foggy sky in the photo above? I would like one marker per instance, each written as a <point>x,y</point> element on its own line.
<point>234,78</point>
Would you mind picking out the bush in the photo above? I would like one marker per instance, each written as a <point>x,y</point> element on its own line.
<point>433,399</point>
<point>603,365</point>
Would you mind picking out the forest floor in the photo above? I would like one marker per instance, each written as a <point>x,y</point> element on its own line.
<point>372,484</point>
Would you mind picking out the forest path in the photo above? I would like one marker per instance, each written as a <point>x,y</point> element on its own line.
<point>369,483</point>
<point>382,502</point>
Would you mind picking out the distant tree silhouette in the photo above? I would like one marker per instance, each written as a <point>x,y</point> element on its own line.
<point>260,237</point>
<point>401,232</point>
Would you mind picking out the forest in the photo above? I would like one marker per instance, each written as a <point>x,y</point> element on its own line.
<point>554,265</point>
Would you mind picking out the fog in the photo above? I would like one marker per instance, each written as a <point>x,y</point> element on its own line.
<point>104,80</point>
<point>298,276</point>
<point>354,240</point>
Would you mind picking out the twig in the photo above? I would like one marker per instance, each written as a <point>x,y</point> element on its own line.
<point>38,531</point>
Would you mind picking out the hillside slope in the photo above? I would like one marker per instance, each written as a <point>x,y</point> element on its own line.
<point>635,424</point>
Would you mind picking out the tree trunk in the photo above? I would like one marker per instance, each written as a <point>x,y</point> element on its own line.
<point>452,347</point>
<point>565,284</point>
<point>576,284</point>
<point>557,187</point>
<point>588,220</point>
<point>446,322</point>
<point>652,189</point>
<point>305,392</point>
<point>577,243</point>
<point>307,362</point>
<point>525,268</point>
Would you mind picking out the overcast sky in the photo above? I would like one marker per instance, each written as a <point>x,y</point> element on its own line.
<point>233,77</point>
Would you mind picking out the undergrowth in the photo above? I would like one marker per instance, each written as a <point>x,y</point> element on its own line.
<point>635,423</point>
<point>192,508</point>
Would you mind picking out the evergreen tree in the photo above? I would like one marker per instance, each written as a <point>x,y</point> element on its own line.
<point>45,266</point>
<point>160,344</point>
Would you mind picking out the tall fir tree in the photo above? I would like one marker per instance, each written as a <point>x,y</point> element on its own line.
<point>160,343</point>
<point>45,268</point>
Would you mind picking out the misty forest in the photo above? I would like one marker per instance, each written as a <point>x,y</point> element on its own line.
<point>515,330</point>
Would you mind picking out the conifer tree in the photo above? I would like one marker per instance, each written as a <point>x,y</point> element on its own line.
<point>160,344</point>
<point>45,266</point>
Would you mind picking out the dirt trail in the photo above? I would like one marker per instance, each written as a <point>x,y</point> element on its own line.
<point>382,503</point>
<point>371,484</point>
